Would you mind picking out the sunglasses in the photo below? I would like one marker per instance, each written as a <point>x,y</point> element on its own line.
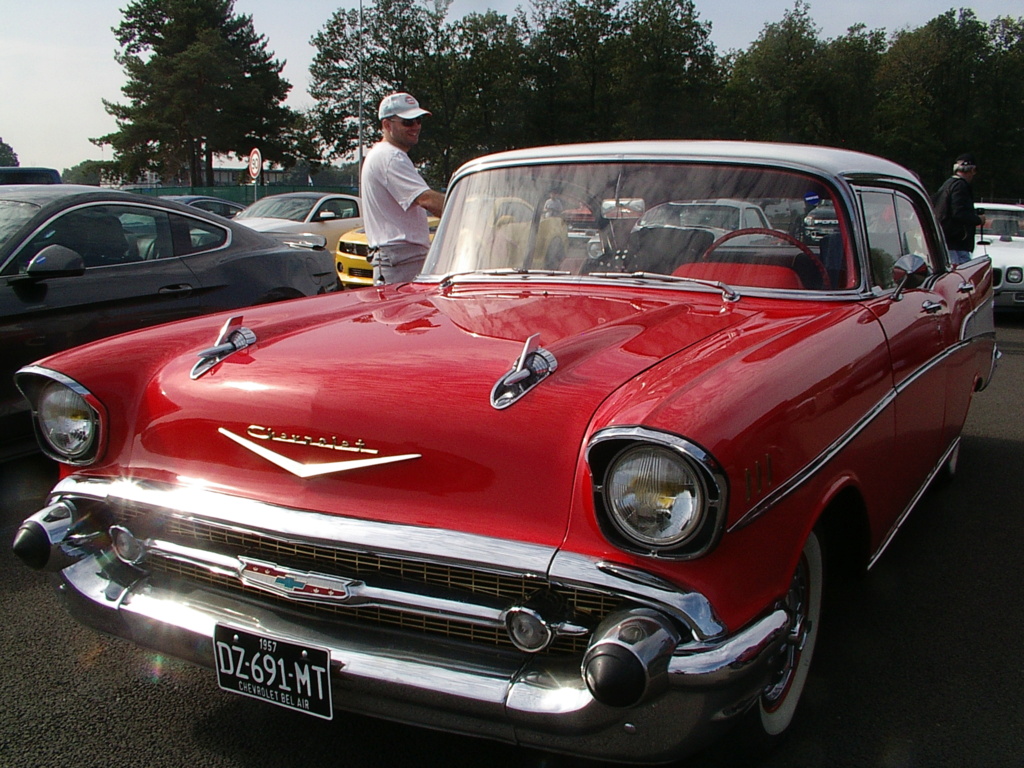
<point>407,123</point>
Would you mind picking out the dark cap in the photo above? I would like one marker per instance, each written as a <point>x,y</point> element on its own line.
<point>965,162</point>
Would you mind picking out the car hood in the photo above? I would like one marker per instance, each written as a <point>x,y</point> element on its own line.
<point>1005,251</point>
<point>272,225</point>
<point>400,383</point>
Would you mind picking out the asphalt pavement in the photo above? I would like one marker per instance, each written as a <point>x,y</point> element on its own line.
<point>918,666</point>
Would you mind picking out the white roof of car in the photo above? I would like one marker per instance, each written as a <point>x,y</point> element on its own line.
<point>827,160</point>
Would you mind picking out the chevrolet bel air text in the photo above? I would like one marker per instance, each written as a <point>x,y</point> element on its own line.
<point>575,487</point>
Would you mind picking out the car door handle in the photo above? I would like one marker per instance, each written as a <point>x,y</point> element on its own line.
<point>931,307</point>
<point>967,287</point>
<point>181,289</point>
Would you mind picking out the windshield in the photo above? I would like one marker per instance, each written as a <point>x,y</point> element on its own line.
<point>290,208</point>
<point>1004,223</point>
<point>738,225</point>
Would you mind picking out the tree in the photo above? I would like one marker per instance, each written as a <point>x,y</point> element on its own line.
<point>770,91</point>
<point>8,156</point>
<point>582,70</point>
<point>358,62</point>
<point>570,54</point>
<point>931,86</point>
<point>489,84</point>
<point>1002,110</point>
<point>665,72</point>
<point>842,88</point>
<point>200,83</point>
<point>88,172</point>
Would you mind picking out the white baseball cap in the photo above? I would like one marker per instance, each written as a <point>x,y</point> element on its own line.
<point>400,105</point>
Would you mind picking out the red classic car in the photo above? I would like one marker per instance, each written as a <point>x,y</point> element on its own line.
<point>578,498</point>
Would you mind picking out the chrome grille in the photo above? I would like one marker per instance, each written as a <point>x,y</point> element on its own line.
<point>585,606</point>
<point>388,617</point>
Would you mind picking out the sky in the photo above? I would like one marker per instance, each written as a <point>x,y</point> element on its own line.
<point>57,56</point>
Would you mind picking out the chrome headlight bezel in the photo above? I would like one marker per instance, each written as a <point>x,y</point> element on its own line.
<point>67,418</point>
<point>1013,274</point>
<point>669,477</point>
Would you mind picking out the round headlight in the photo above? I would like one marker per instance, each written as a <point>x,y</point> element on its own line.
<point>1014,275</point>
<point>67,423</point>
<point>654,496</point>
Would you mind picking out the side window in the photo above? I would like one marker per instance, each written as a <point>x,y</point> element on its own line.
<point>343,209</point>
<point>194,235</point>
<point>104,235</point>
<point>912,231</point>
<point>150,230</point>
<point>894,229</point>
<point>348,209</point>
<point>752,219</point>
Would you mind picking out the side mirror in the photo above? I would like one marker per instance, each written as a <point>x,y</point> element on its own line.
<point>909,272</point>
<point>54,261</point>
<point>326,216</point>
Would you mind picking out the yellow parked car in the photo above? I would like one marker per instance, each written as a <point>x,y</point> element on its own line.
<point>354,270</point>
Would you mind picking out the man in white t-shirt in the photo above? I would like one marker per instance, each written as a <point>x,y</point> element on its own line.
<point>396,199</point>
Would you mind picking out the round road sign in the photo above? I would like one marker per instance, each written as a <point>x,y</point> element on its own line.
<point>255,163</point>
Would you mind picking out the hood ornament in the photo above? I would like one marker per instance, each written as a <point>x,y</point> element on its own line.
<point>232,338</point>
<point>312,470</point>
<point>533,365</point>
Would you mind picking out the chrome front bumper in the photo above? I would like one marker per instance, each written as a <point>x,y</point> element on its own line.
<point>536,700</point>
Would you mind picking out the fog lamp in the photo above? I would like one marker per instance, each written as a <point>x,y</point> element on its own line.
<point>527,629</point>
<point>127,548</point>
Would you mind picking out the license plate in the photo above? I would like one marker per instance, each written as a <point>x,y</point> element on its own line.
<point>287,674</point>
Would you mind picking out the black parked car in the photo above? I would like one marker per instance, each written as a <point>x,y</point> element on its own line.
<point>218,205</point>
<point>79,263</point>
<point>14,174</point>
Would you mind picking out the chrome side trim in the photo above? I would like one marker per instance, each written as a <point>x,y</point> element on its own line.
<point>913,503</point>
<point>803,475</point>
<point>800,477</point>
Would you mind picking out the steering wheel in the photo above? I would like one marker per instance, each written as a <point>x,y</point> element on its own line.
<point>784,236</point>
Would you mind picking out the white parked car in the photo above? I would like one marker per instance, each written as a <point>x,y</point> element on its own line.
<point>1003,240</point>
<point>319,213</point>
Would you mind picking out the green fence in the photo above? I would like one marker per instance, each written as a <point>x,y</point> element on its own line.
<point>243,194</point>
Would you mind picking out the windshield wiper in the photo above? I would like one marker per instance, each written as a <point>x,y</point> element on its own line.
<point>728,292</point>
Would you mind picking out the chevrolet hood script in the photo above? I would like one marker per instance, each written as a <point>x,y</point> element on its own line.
<point>313,470</point>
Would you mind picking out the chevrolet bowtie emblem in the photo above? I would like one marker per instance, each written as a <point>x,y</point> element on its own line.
<point>313,470</point>
<point>295,585</point>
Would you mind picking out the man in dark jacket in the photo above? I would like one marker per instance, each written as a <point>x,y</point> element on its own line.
<point>954,208</point>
